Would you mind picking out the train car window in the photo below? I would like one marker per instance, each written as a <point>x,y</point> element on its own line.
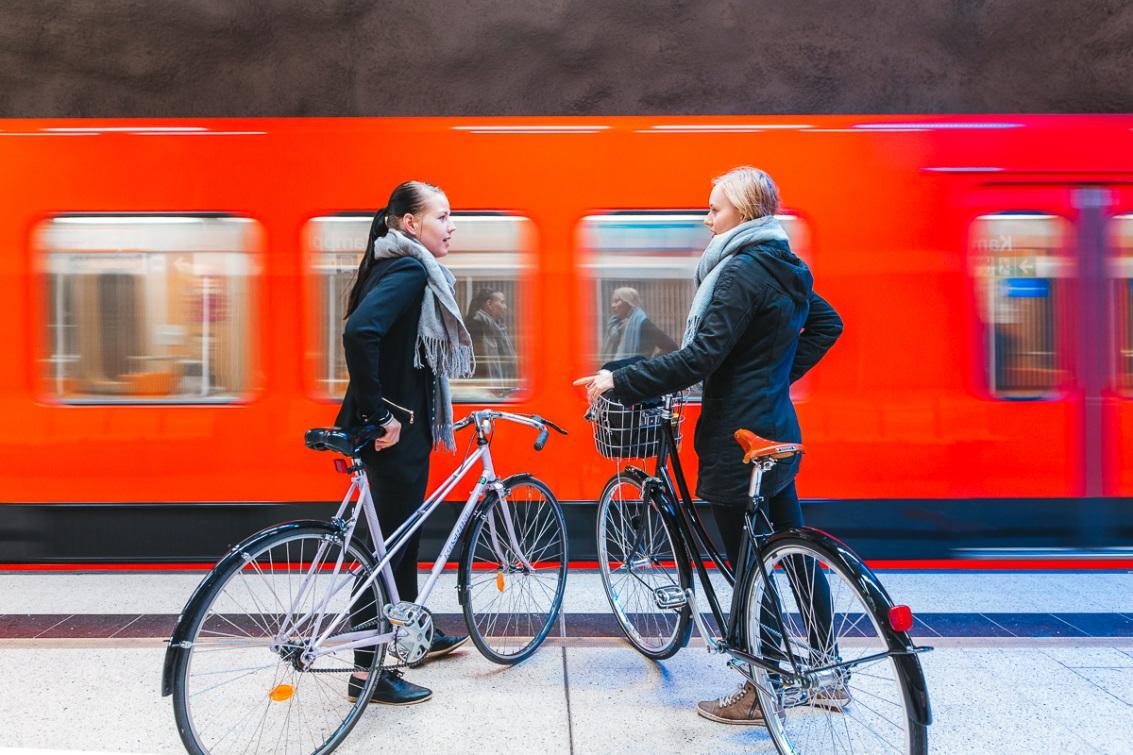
<point>147,308</point>
<point>489,255</point>
<point>642,265</point>
<point>1122,277</point>
<point>1021,262</point>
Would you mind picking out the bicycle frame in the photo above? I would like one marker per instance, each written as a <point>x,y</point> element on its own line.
<point>359,495</point>
<point>695,540</point>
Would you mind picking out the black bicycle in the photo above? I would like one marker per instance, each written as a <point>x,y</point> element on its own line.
<point>810,626</point>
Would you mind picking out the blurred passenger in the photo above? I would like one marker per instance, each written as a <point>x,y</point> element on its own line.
<point>755,326</point>
<point>404,340</point>
<point>629,332</point>
<point>487,324</point>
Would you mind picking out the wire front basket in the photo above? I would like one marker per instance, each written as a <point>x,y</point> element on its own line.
<point>633,432</point>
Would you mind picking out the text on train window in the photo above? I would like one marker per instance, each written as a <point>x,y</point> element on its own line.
<point>1021,266</point>
<point>488,256</point>
<point>148,308</point>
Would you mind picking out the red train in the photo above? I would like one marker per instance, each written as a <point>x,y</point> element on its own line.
<point>173,295</point>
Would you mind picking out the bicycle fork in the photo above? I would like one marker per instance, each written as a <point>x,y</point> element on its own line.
<point>509,526</point>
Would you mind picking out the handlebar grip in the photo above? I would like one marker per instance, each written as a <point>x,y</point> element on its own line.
<point>541,440</point>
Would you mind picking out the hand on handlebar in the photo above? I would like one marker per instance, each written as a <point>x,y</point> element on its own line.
<point>597,384</point>
<point>391,437</point>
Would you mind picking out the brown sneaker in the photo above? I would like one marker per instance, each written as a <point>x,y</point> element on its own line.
<point>740,708</point>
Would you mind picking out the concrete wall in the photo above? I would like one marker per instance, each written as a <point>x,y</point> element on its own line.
<point>483,57</point>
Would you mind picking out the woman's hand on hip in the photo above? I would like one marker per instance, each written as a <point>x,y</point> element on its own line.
<point>392,436</point>
<point>596,385</point>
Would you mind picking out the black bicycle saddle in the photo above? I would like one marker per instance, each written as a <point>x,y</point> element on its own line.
<point>346,442</point>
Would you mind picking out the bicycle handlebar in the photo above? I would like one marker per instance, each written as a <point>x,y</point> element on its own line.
<point>531,420</point>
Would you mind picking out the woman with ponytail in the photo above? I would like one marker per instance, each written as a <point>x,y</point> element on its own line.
<point>404,339</point>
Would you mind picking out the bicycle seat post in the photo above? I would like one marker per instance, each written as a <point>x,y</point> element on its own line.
<point>756,483</point>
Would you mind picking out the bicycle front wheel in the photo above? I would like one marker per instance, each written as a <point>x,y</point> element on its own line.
<point>641,568</point>
<point>513,570</point>
<point>858,699</point>
<point>247,682</point>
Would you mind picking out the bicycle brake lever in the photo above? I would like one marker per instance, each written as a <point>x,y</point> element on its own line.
<point>551,424</point>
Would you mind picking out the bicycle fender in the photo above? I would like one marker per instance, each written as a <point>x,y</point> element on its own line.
<point>879,601</point>
<point>175,649</point>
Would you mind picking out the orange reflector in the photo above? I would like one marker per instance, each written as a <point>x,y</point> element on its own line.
<point>500,580</point>
<point>340,466</point>
<point>282,693</point>
<point>901,618</point>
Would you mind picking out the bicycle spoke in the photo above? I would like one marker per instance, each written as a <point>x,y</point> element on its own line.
<point>251,699</point>
<point>863,708</point>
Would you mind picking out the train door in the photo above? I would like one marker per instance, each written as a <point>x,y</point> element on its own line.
<point>1116,274</point>
<point>1052,267</point>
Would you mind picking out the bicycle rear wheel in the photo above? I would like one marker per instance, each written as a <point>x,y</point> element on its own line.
<point>511,598</point>
<point>640,563</point>
<point>834,613</point>
<point>243,685</point>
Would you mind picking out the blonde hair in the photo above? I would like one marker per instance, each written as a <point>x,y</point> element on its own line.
<point>750,190</point>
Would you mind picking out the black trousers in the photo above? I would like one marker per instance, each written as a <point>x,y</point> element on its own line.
<point>399,477</point>
<point>808,582</point>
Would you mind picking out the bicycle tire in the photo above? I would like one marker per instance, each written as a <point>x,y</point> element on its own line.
<point>876,706</point>
<point>230,626</point>
<point>630,575</point>
<point>527,591</point>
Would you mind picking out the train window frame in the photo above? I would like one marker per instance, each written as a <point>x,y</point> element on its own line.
<point>591,257</point>
<point>317,326</point>
<point>1060,265</point>
<point>151,386</point>
<point>1120,281</point>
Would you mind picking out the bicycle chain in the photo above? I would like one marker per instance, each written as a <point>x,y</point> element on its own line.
<point>385,667</point>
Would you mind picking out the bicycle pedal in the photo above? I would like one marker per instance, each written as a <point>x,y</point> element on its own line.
<point>670,597</point>
<point>413,633</point>
<point>407,614</point>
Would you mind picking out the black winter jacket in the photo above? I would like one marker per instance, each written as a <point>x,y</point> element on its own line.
<point>379,339</point>
<point>748,351</point>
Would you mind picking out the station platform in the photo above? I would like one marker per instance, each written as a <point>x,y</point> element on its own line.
<point>1025,662</point>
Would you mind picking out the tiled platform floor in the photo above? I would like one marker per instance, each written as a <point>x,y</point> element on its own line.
<point>1016,671</point>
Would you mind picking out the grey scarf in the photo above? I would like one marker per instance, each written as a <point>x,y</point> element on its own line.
<point>719,249</point>
<point>441,334</point>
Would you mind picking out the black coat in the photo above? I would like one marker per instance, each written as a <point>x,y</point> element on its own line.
<point>748,351</point>
<point>379,339</point>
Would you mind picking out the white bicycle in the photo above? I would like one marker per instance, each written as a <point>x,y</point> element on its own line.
<point>261,654</point>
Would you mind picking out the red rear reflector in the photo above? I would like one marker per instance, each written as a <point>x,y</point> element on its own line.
<point>340,466</point>
<point>901,618</point>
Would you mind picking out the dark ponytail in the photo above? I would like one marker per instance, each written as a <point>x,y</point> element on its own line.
<point>407,198</point>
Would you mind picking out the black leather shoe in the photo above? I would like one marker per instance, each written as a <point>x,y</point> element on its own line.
<point>390,689</point>
<point>443,644</point>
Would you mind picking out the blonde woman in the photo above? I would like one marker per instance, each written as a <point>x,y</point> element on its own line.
<point>755,327</point>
